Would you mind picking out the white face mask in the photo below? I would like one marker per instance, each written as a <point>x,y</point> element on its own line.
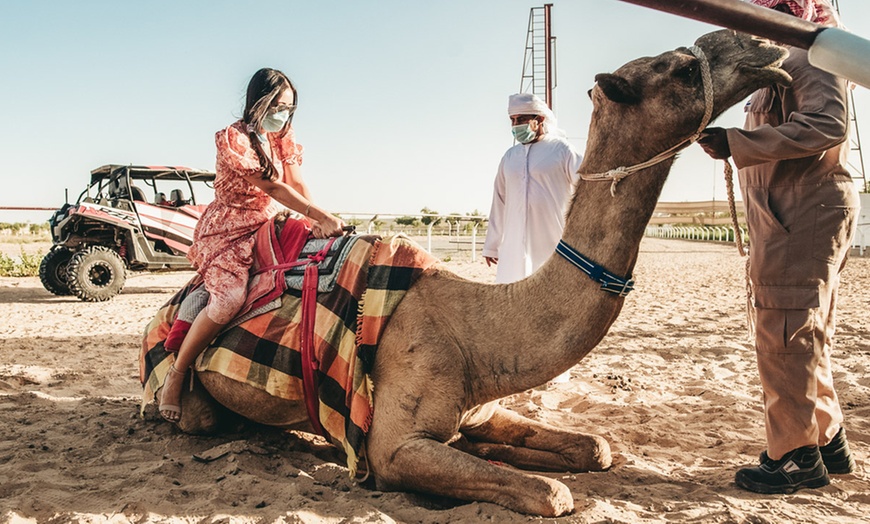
<point>273,122</point>
<point>523,133</point>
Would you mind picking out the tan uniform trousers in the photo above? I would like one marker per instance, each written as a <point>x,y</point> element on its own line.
<point>800,238</point>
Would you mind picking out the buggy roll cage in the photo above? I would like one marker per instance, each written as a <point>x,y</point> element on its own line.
<point>115,181</point>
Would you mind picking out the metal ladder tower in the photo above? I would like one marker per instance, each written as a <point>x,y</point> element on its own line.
<point>539,68</point>
<point>856,157</point>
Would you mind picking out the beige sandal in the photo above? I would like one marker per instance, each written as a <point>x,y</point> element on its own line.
<point>171,412</point>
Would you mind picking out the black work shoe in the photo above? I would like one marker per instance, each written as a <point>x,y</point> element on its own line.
<point>837,456</point>
<point>797,469</point>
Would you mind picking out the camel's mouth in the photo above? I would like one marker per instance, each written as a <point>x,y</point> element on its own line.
<point>769,72</point>
<point>753,59</point>
<point>766,62</point>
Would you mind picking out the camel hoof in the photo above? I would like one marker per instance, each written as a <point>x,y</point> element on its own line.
<point>559,502</point>
<point>602,459</point>
<point>541,496</point>
<point>200,415</point>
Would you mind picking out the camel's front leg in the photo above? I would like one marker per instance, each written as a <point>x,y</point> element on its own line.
<point>428,466</point>
<point>509,437</point>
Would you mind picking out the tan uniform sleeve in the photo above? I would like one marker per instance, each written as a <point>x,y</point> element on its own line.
<point>816,118</point>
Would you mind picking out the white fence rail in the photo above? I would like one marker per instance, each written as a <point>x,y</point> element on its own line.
<point>459,230</point>
<point>704,233</point>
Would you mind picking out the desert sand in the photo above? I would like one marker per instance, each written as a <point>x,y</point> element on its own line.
<point>673,387</point>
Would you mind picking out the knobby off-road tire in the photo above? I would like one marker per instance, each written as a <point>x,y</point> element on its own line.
<point>96,274</point>
<point>52,271</point>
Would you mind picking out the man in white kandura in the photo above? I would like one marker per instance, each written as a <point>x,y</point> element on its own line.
<point>533,187</point>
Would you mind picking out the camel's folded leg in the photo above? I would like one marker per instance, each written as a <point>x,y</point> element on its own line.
<point>511,438</point>
<point>429,466</point>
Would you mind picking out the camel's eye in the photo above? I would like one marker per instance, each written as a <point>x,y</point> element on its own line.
<point>687,73</point>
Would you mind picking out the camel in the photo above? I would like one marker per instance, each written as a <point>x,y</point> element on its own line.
<point>454,347</point>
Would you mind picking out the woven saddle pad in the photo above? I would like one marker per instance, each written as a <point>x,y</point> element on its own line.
<point>328,269</point>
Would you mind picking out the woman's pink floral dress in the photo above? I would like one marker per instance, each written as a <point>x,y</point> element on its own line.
<point>223,241</point>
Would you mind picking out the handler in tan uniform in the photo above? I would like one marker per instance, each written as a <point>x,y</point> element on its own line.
<point>801,208</point>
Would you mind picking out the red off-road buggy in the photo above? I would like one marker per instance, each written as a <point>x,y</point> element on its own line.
<point>129,217</point>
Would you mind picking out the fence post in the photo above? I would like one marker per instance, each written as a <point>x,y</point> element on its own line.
<point>474,241</point>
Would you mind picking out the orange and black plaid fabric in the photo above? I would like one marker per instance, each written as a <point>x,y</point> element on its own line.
<point>264,351</point>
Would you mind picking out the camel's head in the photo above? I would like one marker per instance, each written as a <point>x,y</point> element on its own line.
<point>740,64</point>
<point>660,100</point>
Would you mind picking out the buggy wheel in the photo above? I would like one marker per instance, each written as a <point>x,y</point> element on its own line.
<point>96,274</point>
<point>52,270</point>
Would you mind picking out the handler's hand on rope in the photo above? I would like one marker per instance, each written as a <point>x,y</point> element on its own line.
<point>714,142</point>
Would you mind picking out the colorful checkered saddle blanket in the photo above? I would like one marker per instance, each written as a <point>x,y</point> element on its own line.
<point>264,350</point>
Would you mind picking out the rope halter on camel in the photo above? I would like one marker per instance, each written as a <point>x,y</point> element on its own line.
<point>617,174</point>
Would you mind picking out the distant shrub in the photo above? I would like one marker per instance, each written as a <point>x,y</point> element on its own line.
<point>407,221</point>
<point>26,266</point>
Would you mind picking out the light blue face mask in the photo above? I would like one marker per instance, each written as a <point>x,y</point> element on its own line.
<point>523,133</point>
<point>273,122</point>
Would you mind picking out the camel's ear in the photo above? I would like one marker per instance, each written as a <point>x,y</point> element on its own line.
<point>617,89</point>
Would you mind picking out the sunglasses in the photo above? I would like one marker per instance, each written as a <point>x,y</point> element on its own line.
<point>290,108</point>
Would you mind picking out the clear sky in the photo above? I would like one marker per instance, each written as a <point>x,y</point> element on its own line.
<point>402,103</point>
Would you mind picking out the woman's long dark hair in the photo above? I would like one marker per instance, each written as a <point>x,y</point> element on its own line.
<point>265,87</point>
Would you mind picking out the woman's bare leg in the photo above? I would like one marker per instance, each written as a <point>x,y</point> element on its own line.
<point>202,332</point>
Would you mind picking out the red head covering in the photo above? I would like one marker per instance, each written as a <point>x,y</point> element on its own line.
<point>818,11</point>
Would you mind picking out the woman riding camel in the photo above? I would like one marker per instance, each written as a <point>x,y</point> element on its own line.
<point>258,163</point>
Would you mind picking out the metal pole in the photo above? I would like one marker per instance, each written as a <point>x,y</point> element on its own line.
<point>548,56</point>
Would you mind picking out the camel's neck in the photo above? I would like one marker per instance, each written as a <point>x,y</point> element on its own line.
<point>608,228</point>
<point>560,304</point>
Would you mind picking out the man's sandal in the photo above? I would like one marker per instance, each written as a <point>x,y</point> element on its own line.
<point>171,412</point>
